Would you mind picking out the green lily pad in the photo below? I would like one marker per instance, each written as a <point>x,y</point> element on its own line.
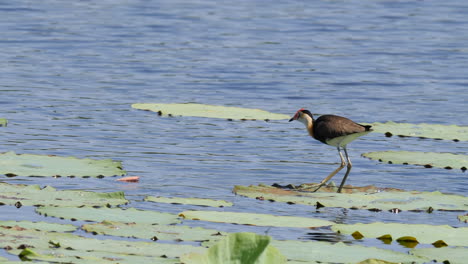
<point>38,165</point>
<point>43,226</point>
<point>238,248</point>
<point>455,255</point>
<point>452,132</point>
<point>425,234</point>
<point>130,215</point>
<point>70,248</point>
<point>385,200</point>
<point>3,122</point>
<point>427,159</point>
<point>255,219</point>
<point>14,194</point>
<point>152,231</point>
<point>212,111</point>
<point>325,252</point>
<point>192,201</point>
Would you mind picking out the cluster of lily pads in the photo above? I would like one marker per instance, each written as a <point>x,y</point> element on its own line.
<point>159,237</point>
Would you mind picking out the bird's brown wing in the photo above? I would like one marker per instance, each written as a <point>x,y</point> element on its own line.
<point>331,126</point>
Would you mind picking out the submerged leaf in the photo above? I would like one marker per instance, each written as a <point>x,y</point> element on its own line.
<point>33,195</point>
<point>426,234</point>
<point>212,111</point>
<point>238,248</point>
<point>254,219</point>
<point>452,132</point>
<point>39,165</point>
<point>385,200</point>
<point>463,218</point>
<point>3,122</point>
<point>192,201</point>
<point>427,159</point>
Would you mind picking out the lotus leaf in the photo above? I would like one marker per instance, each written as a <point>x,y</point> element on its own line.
<point>427,159</point>
<point>34,195</point>
<point>325,252</point>
<point>43,226</point>
<point>452,132</point>
<point>152,231</point>
<point>455,255</point>
<point>130,215</point>
<point>73,246</point>
<point>255,219</point>
<point>212,111</point>
<point>192,201</point>
<point>3,122</point>
<point>238,248</point>
<point>385,200</point>
<point>40,165</point>
<point>376,261</point>
<point>426,234</point>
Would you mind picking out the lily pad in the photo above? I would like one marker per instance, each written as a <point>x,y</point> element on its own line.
<point>192,201</point>
<point>325,252</point>
<point>14,194</point>
<point>211,111</point>
<point>70,248</point>
<point>43,226</point>
<point>130,215</point>
<point>385,200</point>
<point>3,122</point>
<point>455,255</point>
<point>255,219</point>
<point>12,164</point>
<point>427,159</point>
<point>238,248</point>
<point>152,231</point>
<point>435,131</point>
<point>425,234</point>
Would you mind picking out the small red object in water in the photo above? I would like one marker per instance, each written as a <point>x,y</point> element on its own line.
<point>129,179</point>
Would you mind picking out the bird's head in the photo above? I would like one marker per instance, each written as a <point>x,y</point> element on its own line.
<point>303,115</point>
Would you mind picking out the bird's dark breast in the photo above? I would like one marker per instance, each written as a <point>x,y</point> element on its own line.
<point>327,127</point>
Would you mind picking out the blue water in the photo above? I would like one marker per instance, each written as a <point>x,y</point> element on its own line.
<point>71,69</point>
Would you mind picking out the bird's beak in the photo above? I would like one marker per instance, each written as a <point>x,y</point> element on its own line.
<point>292,119</point>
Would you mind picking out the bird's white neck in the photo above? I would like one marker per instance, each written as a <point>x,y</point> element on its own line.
<point>308,122</point>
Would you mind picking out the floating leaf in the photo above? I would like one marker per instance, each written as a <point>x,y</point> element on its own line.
<point>425,234</point>
<point>212,111</point>
<point>254,219</point>
<point>43,226</point>
<point>77,249</point>
<point>325,252</point>
<point>39,165</point>
<point>192,201</point>
<point>427,159</point>
<point>452,132</point>
<point>238,248</point>
<point>34,195</point>
<point>385,200</point>
<point>152,231</point>
<point>3,122</point>
<point>129,215</point>
<point>455,255</point>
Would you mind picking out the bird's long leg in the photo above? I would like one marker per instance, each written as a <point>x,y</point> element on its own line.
<point>349,166</point>
<point>343,163</point>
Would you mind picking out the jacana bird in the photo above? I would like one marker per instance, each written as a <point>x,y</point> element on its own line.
<point>335,131</point>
